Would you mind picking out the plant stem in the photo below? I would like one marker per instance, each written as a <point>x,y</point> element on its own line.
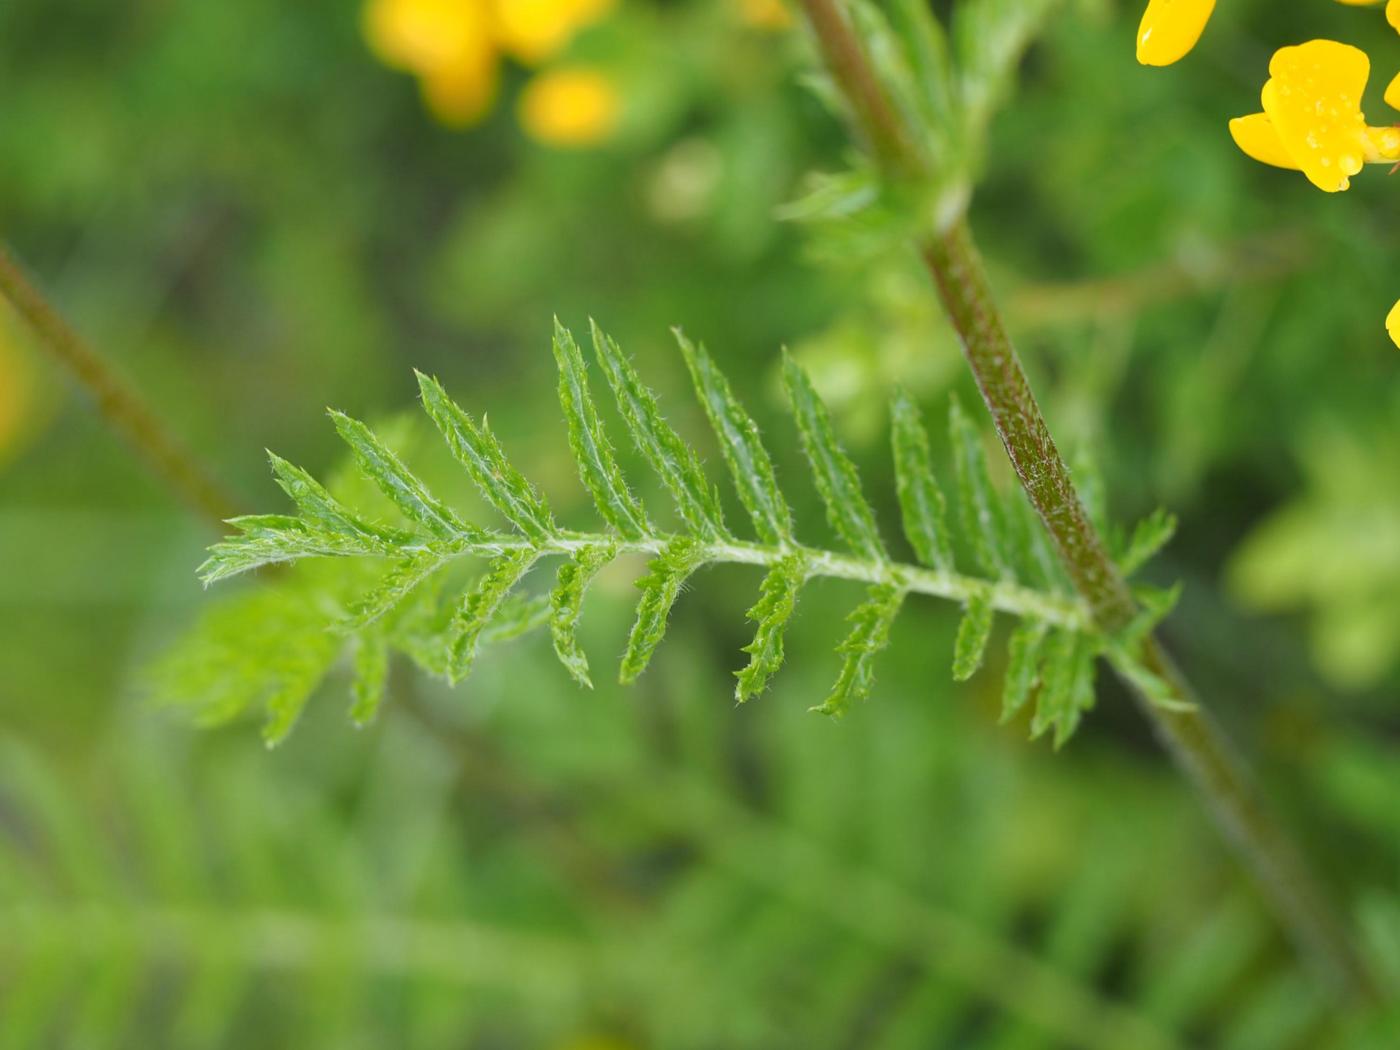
<point>1058,609</point>
<point>1192,737</point>
<point>120,406</point>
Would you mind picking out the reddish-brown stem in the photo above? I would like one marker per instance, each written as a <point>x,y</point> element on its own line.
<point>119,405</point>
<point>1194,740</point>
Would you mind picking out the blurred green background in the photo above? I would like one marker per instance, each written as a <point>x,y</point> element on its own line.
<point>253,218</point>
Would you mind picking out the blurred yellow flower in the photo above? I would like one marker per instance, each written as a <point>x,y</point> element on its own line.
<point>595,1042</point>
<point>765,14</point>
<point>447,44</point>
<point>536,30</point>
<point>454,47</point>
<point>569,107</point>
<point>16,393</point>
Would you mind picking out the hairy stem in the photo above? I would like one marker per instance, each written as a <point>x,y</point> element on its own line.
<point>1192,737</point>
<point>120,406</point>
<point>1061,610</point>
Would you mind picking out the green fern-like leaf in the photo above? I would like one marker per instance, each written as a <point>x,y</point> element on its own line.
<point>390,581</point>
<point>590,444</point>
<point>749,464</point>
<point>661,586</point>
<point>973,634</point>
<point>983,515</point>
<point>920,499</point>
<point>832,470</point>
<point>478,451</point>
<point>870,633</point>
<point>1025,653</point>
<point>566,602</point>
<point>371,663</point>
<point>776,604</point>
<point>480,606</point>
<point>675,462</point>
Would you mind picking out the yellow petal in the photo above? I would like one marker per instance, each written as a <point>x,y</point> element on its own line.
<point>771,15</point>
<point>1392,93</point>
<point>1170,28</point>
<point>569,107</point>
<point>1255,135</point>
<point>461,94</point>
<point>1382,145</point>
<point>1392,324</point>
<point>1313,99</point>
<point>425,35</point>
<point>536,30</point>
<point>1392,9</point>
<point>16,394</point>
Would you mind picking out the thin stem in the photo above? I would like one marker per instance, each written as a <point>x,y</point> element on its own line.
<point>120,406</point>
<point>1060,610</point>
<point>1192,737</point>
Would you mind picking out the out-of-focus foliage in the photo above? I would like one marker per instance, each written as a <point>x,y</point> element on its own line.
<point>497,875</point>
<point>1335,551</point>
<point>254,218</point>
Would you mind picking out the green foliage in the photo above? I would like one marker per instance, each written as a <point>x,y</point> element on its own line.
<point>1024,655</point>
<point>870,632</point>
<point>850,515</point>
<point>946,85</point>
<point>920,499</point>
<point>776,604</point>
<point>1188,315</point>
<point>660,587</point>
<point>750,467</point>
<point>973,633</point>
<point>675,462</point>
<point>566,604</point>
<point>410,607</point>
<point>1149,536</point>
<point>371,893</point>
<point>983,514</point>
<point>479,608</point>
<point>589,443</point>
<point>1331,552</point>
<point>478,451</point>
<point>1066,686</point>
<point>378,463</point>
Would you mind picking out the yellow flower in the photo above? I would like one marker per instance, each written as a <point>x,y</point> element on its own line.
<point>765,14</point>
<point>453,47</point>
<point>447,44</point>
<point>461,93</point>
<point>17,393</point>
<point>536,30</point>
<point>1392,324</point>
<point>1392,93</point>
<point>1392,9</point>
<point>569,107</point>
<point>1312,118</point>
<point>1170,28</point>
